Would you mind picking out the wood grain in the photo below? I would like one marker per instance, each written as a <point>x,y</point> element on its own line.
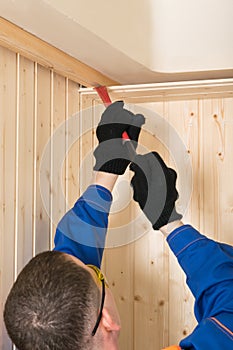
<point>8,93</point>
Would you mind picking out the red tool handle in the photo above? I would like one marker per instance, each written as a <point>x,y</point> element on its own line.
<point>103,94</point>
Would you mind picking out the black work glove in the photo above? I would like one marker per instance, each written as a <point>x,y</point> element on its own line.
<point>154,186</point>
<point>112,154</point>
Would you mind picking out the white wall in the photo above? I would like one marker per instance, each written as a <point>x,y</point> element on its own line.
<point>163,35</point>
<point>192,35</point>
<point>135,41</point>
<point>125,25</point>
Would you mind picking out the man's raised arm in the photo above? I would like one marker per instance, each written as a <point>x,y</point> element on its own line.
<point>208,264</point>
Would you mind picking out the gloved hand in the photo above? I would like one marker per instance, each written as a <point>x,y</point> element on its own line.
<point>111,154</point>
<point>154,186</point>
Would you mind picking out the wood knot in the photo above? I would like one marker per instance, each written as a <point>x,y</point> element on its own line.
<point>137,298</point>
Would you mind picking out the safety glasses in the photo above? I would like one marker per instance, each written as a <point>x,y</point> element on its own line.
<point>104,283</point>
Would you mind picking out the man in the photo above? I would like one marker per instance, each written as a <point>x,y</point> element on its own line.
<point>58,302</point>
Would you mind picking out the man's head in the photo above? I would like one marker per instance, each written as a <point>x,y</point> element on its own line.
<point>54,304</point>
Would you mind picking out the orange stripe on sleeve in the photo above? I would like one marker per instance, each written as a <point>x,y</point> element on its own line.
<point>173,347</point>
<point>221,325</point>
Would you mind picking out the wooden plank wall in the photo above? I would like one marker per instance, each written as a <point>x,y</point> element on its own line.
<point>35,105</point>
<point>155,304</point>
<point>34,102</point>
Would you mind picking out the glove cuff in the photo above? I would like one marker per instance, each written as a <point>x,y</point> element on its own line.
<point>111,157</point>
<point>116,166</point>
<point>168,215</point>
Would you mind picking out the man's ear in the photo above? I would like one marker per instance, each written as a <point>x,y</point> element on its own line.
<point>108,322</point>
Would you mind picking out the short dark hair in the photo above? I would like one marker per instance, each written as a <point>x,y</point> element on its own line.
<point>53,305</point>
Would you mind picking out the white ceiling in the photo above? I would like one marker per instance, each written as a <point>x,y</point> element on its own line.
<point>135,41</point>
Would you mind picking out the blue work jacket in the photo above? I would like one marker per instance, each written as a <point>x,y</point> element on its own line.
<point>207,264</point>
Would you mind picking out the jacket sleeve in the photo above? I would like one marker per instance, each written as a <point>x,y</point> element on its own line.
<point>208,266</point>
<point>82,230</point>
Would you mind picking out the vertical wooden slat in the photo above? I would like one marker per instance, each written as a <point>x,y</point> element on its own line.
<point>217,166</point>
<point>43,136</point>
<point>34,157</point>
<point>192,129</point>
<point>86,143</point>
<point>73,135</point>
<point>210,144</point>
<point>150,292</point>
<point>226,171</point>
<point>16,168</point>
<point>51,191</point>
<point>120,277</point>
<point>150,286</point>
<point>66,165</point>
<point>25,171</point>
<point>181,321</point>
<point>8,73</point>
<point>58,147</point>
